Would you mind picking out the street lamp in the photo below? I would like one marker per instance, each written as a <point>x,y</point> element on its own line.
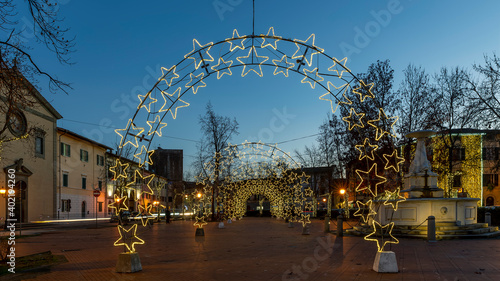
<point>342,191</point>
<point>3,191</point>
<point>198,195</point>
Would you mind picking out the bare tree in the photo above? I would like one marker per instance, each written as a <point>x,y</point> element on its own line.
<point>486,89</point>
<point>17,65</point>
<point>217,132</point>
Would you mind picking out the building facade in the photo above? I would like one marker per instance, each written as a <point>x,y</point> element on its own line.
<point>29,161</point>
<point>81,171</point>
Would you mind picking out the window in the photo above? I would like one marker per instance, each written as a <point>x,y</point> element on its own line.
<point>66,205</point>
<point>490,153</point>
<point>84,155</point>
<point>84,183</point>
<point>100,160</point>
<point>65,149</point>
<point>39,146</point>
<point>65,179</point>
<point>99,185</point>
<point>457,181</point>
<point>458,154</point>
<point>490,179</point>
<point>100,206</point>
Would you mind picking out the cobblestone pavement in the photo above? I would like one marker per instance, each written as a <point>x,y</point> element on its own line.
<point>256,249</point>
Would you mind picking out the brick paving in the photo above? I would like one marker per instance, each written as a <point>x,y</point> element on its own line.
<point>256,249</point>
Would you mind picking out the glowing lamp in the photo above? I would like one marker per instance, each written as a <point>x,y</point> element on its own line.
<point>198,195</point>
<point>3,191</point>
<point>342,191</point>
<point>324,199</point>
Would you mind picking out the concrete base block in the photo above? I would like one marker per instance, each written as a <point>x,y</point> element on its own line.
<point>385,262</point>
<point>128,262</point>
<point>290,224</point>
<point>305,230</point>
<point>200,232</point>
<point>221,225</point>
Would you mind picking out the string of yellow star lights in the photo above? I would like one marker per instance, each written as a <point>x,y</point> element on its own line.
<point>261,169</point>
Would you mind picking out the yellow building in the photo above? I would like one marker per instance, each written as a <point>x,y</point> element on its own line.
<point>81,171</point>
<point>467,162</point>
<point>30,161</point>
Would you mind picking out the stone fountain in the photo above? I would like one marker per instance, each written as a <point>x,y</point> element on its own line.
<point>423,198</point>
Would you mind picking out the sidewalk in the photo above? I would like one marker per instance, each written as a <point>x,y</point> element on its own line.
<point>257,249</point>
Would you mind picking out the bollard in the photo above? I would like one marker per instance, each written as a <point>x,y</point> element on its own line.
<point>431,229</point>
<point>340,226</point>
<point>487,218</point>
<point>290,224</point>
<point>327,224</point>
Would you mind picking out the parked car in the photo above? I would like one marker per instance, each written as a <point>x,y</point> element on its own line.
<point>125,217</point>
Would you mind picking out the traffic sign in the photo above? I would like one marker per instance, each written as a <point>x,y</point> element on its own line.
<point>97,193</point>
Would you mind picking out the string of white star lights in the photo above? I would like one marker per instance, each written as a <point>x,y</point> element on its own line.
<point>262,170</point>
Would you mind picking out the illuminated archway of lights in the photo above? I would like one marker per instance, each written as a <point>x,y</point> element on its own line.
<point>249,55</point>
<point>254,168</point>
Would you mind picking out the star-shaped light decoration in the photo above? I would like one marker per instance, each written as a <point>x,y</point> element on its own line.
<point>248,62</point>
<point>139,178</point>
<point>236,37</point>
<point>146,101</point>
<point>394,197</point>
<point>144,156</point>
<point>119,170</point>
<point>329,96</point>
<point>308,192</point>
<point>223,67</point>
<point>392,161</point>
<point>196,82</point>
<point>366,180</point>
<point>377,227</point>
<point>119,204</point>
<point>339,67</point>
<point>364,91</point>
<point>361,207</point>
<point>282,66</point>
<point>270,39</point>
<point>200,53</point>
<point>366,150</point>
<point>128,238</point>
<point>156,122</point>
<point>168,75</point>
<point>383,121</point>
<point>167,99</point>
<point>135,136</point>
<point>200,221</point>
<point>312,77</point>
<point>144,214</point>
<point>351,119</point>
<point>311,51</point>
<point>304,219</point>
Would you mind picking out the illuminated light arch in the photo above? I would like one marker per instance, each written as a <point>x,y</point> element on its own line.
<point>251,53</point>
<point>256,169</point>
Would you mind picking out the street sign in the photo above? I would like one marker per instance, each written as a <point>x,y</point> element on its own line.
<point>97,193</point>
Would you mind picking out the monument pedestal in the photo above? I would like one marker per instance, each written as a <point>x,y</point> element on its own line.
<point>128,262</point>
<point>385,262</point>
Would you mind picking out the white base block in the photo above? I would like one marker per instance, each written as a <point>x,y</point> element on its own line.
<point>128,262</point>
<point>385,262</point>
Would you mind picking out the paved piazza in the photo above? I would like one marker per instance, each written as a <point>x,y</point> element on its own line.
<point>257,249</point>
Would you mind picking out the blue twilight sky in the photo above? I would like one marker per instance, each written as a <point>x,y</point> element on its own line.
<point>121,46</point>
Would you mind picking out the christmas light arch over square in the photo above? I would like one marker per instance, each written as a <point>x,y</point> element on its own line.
<point>253,53</point>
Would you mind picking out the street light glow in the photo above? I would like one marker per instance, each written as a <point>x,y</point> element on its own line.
<point>342,191</point>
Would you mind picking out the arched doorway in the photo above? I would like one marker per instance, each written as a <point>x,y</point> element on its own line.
<point>84,209</point>
<point>490,201</point>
